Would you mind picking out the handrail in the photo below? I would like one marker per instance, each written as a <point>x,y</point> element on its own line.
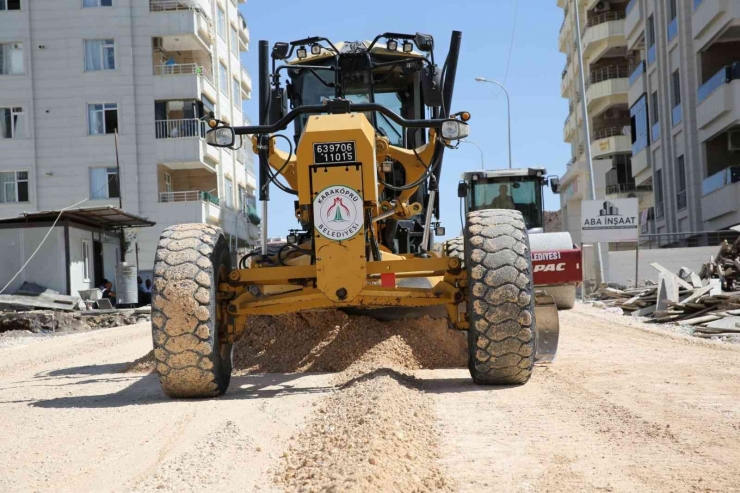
<point>725,75</point>
<point>720,179</point>
<point>613,15</point>
<point>188,196</point>
<point>174,5</point>
<point>179,129</point>
<point>627,188</point>
<point>637,72</point>
<point>608,73</point>
<point>607,132</point>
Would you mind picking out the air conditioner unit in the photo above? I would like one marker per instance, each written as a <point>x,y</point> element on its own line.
<point>733,140</point>
<point>602,7</point>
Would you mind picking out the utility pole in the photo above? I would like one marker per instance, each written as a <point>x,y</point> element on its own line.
<point>482,165</point>
<point>508,107</point>
<point>122,237</point>
<point>587,126</point>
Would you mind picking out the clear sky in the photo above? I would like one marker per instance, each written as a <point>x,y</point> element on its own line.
<point>533,78</point>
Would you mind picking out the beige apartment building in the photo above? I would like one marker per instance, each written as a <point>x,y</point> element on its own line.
<point>75,72</point>
<point>663,99</point>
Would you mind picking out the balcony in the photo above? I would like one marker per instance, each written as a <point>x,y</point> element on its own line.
<point>634,25</point>
<point>641,165</point>
<point>625,190</point>
<point>243,32</point>
<point>182,80</point>
<point>603,32</point>
<point>719,198</point>
<point>184,25</point>
<point>188,196</point>
<point>246,82</point>
<point>711,19</point>
<point>566,33</point>
<point>181,145</point>
<point>719,102</point>
<point>607,86</point>
<point>609,141</point>
<point>637,84</point>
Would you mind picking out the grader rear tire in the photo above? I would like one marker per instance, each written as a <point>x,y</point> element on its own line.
<point>501,337</point>
<point>190,261</point>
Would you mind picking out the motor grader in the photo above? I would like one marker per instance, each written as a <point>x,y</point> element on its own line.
<point>372,121</point>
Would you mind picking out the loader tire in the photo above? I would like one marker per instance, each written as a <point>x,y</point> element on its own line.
<point>190,261</point>
<point>501,336</point>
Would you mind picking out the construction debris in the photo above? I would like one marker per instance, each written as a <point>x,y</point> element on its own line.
<point>33,296</point>
<point>725,266</point>
<point>40,321</point>
<point>684,298</point>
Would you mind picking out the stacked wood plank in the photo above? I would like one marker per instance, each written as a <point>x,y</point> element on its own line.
<point>708,311</point>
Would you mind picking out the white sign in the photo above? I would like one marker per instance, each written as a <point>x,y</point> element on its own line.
<point>337,213</point>
<point>609,220</point>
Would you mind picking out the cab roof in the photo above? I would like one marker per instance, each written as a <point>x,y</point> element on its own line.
<point>346,47</point>
<point>504,173</point>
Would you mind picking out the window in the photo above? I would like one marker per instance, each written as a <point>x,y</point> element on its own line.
<point>12,123</point>
<point>655,111</point>
<point>236,93</point>
<point>86,260</point>
<point>223,79</point>
<point>672,10</point>
<point>221,20</point>
<point>234,41</point>
<point>10,5</point>
<point>651,31</point>
<point>97,3</point>
<point>167,182</point>
<point>11,58</point>
<point>102,118</point>
<point>100,54</point>
<point>229,192</point>
<point>13,186</point>
<point>209,107</point>
<point>104,183</point>
<point>640,125</point>
<point>676,85</point>
<point>658,190</point>
<point>681,185</point>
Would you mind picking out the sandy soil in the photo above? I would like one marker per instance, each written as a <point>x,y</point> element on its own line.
<point>624,408</point>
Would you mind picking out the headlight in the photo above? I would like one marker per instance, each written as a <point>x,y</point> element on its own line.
<point>455,130</point>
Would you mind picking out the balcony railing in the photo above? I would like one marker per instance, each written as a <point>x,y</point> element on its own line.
<point>676,115</point>
<point>179,129</point>
<point>607,132</point>
<point>610,72</point>
<point>183,69</point>
<point>242,21</point>
<point>719,180</point>
<point>724,76</point>
<point>652,54</point>
<point>605,17</point>
<point>673,28</point>
<point>639,70</point>
<point>168,5</point>
<point>627,188</point>
<point>188,196</point>
<point>630,6</point>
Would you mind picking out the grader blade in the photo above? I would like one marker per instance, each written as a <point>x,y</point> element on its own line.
<point>547,329</point>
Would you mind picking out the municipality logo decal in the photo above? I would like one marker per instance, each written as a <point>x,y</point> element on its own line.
<point>337,213</point>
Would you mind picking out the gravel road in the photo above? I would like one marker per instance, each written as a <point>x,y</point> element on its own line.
<point>624,408</point>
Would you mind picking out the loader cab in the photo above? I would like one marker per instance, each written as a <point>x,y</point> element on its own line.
<point>518,189</point>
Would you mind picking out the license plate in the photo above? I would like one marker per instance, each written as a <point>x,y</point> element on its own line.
<point>334,152</point>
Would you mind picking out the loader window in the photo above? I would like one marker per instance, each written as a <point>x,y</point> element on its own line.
<point>522,194</point>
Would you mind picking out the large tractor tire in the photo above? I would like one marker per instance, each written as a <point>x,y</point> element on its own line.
<point>501,336</point>
<point>190,261</point>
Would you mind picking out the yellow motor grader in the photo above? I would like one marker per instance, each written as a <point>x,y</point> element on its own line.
<point>371,121</point>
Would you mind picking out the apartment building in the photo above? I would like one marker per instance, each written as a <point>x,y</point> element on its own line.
<point>666,73</point>
<point>684,102</point>
<point>77,75</point>
<point>607,71</point>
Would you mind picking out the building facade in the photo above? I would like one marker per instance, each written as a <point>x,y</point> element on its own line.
<point>78,75</point>
<point>663,101</point>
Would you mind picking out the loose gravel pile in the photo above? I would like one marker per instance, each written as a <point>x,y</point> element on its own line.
<point>331,341</point>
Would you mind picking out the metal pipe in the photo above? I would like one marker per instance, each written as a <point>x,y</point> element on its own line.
<point>586,126</point>
<point>508,108</point>
<point>264,119</point>
<point>264,228</point>
<point>428,221</point>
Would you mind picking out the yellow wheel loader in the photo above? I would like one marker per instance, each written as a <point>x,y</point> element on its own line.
<point>371,122</point>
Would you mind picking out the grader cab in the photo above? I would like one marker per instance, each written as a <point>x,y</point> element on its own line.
<point>371,123</point>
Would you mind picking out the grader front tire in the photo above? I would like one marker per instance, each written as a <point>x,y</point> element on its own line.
<point>501,337</point>
<point>191,361</point>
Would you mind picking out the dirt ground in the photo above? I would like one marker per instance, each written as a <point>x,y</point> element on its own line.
<point>624,408</point>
